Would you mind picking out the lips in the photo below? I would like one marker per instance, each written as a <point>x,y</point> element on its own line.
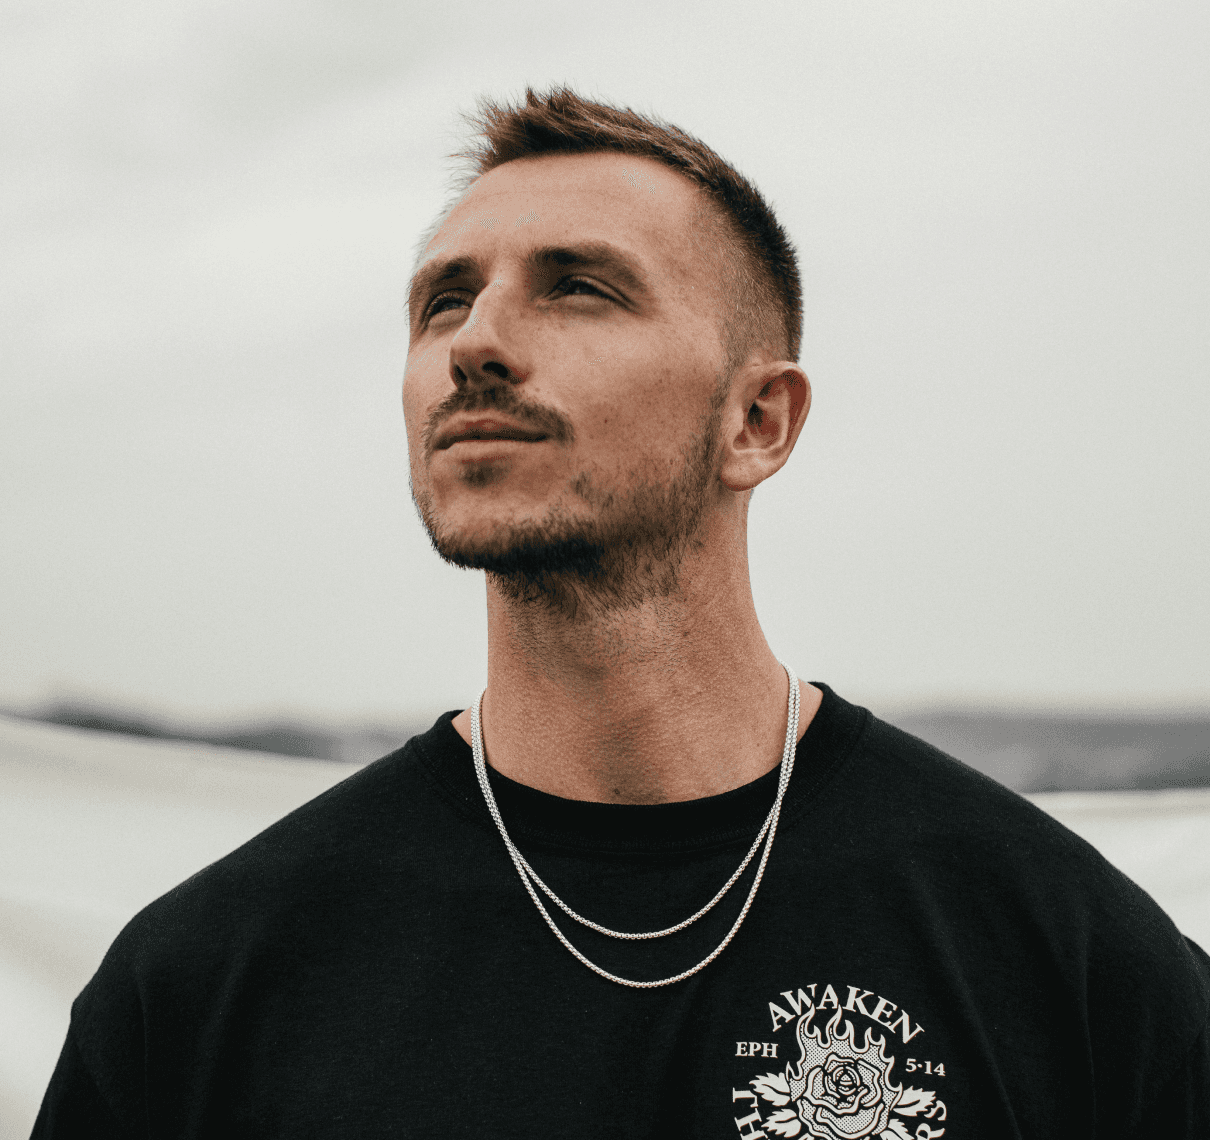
<point>465,430</point>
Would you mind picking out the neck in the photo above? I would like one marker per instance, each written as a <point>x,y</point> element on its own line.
<point>676,698</point>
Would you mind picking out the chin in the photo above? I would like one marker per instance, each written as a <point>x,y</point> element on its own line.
<point>530,552</point>
<point>577,570</point>
<point>616,551</point>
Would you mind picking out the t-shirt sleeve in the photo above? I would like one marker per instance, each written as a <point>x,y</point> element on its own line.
<point>73,1106</point>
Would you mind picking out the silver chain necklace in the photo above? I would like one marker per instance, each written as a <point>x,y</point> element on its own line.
<point>530,877</point>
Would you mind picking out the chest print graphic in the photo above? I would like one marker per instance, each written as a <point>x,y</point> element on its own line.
<point>837,1089</point>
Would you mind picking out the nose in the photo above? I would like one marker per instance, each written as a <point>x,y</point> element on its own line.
<point>487,348</point>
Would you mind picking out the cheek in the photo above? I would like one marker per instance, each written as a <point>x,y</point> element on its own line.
<point>651,407</point>
<point>418,397</point>
<point>412,429</point>
<point>413,419</point>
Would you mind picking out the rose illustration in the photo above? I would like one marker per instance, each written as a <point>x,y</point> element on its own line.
<point>836,1091</point>
<point>844,1097</point>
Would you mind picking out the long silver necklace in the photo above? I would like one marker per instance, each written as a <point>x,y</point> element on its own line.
<point>530,877</point>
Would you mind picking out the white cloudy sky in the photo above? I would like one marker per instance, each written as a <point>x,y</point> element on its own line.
<point>209,208</point>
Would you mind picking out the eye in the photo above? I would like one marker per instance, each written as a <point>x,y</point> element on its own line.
<point>579,286</point>
<point>443,302</point>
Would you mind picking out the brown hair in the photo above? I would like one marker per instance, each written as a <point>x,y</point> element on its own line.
<point>764,279</point>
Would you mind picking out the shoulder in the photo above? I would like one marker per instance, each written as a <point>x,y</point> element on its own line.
<point>981,853</point>
<point>991,869</point>
<point>934,802</point>
<point>922,799</point>
<point>989,842</point>
<point>278,913</point>
<point>1033,923</point>
<point>326,854</point>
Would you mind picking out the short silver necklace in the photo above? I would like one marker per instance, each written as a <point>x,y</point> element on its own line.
<point>530,877</point>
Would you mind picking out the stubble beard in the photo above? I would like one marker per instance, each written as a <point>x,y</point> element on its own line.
<point>627,550</point>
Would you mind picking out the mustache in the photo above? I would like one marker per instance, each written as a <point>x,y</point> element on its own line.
<point>498,398</point>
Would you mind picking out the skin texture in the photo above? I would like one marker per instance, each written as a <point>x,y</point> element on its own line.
<point>625,660</point>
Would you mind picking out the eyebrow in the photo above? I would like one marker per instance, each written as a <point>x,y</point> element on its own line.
<point>585,255</point>
<point>432,274</point>
<point>594,254</point>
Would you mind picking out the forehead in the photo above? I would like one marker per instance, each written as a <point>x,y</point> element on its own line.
<point>633,202</point>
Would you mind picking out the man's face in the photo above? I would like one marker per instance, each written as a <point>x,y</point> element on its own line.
<point>563,377</point>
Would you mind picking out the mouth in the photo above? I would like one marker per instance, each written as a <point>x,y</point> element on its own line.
<point>485,430</point>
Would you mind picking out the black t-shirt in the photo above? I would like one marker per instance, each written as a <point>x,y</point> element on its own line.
<point>928,955</point>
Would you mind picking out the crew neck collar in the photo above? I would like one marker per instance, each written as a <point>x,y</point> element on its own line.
<point>688,825</point>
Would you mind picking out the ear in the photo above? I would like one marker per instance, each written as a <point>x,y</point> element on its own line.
<point>766,410</point>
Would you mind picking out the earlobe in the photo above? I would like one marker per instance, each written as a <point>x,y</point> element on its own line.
<point>773,400</point>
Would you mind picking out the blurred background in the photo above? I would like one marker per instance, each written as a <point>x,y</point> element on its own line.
<point>994,531</point>
<point>999,500</point>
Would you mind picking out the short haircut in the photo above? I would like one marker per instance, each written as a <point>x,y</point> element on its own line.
<point>763,280</point>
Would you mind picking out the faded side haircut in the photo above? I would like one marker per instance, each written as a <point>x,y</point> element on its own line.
<point>761,275</point>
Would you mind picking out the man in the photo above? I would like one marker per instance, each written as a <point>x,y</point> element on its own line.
<point>604,335</point>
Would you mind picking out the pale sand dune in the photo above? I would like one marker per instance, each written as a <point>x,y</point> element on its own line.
<point>93,826</point>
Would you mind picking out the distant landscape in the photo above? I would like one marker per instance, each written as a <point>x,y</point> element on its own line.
<point>342,743</point>
<point>1062,753</point>
<point>1027,752</point>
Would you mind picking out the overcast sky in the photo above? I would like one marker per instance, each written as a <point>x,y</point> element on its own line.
<point>210,209</point>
